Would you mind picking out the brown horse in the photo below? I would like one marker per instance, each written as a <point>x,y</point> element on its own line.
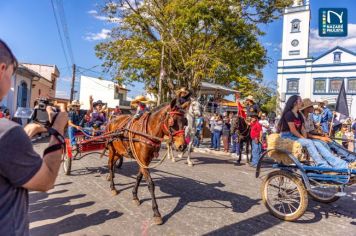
<point>141,140</point>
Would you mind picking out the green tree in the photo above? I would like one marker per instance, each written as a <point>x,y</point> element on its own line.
<point>171,43</point>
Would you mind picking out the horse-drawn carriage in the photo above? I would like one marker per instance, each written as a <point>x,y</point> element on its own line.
<point>86,145</point>
<point>285,190</point>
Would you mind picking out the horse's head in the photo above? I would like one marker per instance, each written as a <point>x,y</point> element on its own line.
<point>195,108</point>
<point>175,123</point>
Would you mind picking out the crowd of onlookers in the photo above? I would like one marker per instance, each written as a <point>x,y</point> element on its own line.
<point>224,133</point>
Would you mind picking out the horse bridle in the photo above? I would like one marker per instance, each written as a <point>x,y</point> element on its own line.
<point>168,123</point>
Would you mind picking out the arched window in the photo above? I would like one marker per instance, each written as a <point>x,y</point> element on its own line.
<point>295,26</point>
<point>22,94</point>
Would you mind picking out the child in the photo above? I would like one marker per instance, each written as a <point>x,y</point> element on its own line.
<point>256,136</point>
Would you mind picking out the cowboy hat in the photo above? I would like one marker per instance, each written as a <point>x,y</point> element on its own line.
<point>307,103</point>
<point>138,99</point>
<point>99,102</point>
<point>325,102</point>
<point>250,98</point>
<point>182,91</point>
<point>75,103</point>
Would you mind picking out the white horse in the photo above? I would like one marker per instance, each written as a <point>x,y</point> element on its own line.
<point>195,110</point>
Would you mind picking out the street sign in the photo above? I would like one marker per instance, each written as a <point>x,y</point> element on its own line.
<point>332,22</point>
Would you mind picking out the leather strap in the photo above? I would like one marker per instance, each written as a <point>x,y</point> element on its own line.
<point>52,148</point>
<point>57,135</point>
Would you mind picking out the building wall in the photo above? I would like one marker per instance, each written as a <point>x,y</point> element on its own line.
<point>11,99</point>
<point>50,72</point>
<point>41,88</point>
<point>100,90</point>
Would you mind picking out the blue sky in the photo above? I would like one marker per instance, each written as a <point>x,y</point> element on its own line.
<point>29,28</point>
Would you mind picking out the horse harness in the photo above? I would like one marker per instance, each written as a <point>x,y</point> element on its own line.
<point>242,135</point>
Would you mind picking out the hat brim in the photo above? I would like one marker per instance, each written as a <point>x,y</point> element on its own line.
<point>309,105</point>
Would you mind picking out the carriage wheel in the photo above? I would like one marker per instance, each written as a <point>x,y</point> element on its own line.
<point>67,164</point>
<point>324,193</point>
<point>284,195</point>
<point>119,162</point>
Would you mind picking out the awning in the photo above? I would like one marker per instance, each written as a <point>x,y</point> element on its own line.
<point>227,103</point>
<point>210,88</point>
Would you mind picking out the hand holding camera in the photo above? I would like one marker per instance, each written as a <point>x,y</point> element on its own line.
<point>58,119</point>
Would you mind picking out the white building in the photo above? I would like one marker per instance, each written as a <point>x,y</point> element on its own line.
<point>317,78</point>
<point>104,90</point>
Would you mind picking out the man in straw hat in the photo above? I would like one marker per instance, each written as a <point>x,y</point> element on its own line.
<point>76,120</point>
<point>141,103</point>
<point>323,143</point>
<point>252,107</point>
<point>326,117</point>
<point>182,95</point>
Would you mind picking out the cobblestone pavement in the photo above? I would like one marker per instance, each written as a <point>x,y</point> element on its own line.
<point>215,197</point>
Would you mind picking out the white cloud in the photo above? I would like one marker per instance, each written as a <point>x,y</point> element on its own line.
<point>103,34</point>
<point>268,44</point>
<point>319,44</point>
<point>95,14</point>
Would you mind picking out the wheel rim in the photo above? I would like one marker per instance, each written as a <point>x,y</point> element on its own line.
<point>283,195</point>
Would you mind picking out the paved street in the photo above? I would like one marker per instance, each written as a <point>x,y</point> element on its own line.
<point>215,197</point>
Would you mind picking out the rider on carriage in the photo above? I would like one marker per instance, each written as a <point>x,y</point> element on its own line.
<point>140,102</point>
<point>294,126</point>
<point>98,116</point>
<point>76,120</point>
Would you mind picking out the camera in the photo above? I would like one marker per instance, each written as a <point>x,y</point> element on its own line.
<point>40,114</point>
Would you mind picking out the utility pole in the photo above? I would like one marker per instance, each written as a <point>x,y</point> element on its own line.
<point>72,87</point>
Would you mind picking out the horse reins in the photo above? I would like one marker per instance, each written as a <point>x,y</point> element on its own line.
<point>166,126</point>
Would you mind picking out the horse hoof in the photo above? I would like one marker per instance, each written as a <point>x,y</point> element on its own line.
<point>157,220</point>
<point>190,164</point>
<point>173,160</point>
<point>114,192</point>
<point>136,202</point>
<point>108,178</point>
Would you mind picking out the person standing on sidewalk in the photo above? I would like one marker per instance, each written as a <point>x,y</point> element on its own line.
<point>21,168</point>
<point>211,128</point>
<point>256,137</point>
<point>226,133</point>
<point>218,126</point>
<point>199,121</point>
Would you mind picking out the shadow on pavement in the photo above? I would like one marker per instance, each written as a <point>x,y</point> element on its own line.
<point>42,208</point>
<point>75,223</point>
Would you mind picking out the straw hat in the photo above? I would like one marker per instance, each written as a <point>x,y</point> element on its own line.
<point>250,98</point>
<point>182,92</point>
<point>74,103</point>
<point>325,102</point>
<point>307,103</point>
<point>139,99</point>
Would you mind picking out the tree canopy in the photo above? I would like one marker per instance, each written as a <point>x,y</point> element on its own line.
<point>184,42</point>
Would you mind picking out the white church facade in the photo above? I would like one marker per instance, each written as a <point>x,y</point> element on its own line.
<point>316,78</point>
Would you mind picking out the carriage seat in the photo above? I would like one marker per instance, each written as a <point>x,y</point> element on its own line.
<point>274,141</point>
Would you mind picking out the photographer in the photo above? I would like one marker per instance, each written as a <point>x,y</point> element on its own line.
<point>21,168</point>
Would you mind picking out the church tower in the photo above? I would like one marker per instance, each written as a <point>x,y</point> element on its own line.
<point>296,24</point>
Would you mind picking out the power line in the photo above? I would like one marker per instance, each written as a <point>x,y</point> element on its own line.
<point>59,33</point>
<point>65,29</point>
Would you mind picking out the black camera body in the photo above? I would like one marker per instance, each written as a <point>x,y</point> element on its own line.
<point>40,114</point>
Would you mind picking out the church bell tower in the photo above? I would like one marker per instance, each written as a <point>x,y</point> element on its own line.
<point>296,24</point>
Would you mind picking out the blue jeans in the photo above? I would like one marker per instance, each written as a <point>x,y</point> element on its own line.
<point>235,145</point>
<point>196,139</point>
<point>325,127</point>
<point>326,153</point>
<point>256,152</point>
<point>341,151</point>
<point>71,134</point>
<point>309,145</point>
<point>216,139</point>
<point>212,139</point>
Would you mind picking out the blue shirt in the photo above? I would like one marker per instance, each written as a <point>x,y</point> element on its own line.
<point>77,118</point>
<point>199,123</point>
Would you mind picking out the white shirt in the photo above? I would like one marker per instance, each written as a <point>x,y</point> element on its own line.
<point>265,125</point>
